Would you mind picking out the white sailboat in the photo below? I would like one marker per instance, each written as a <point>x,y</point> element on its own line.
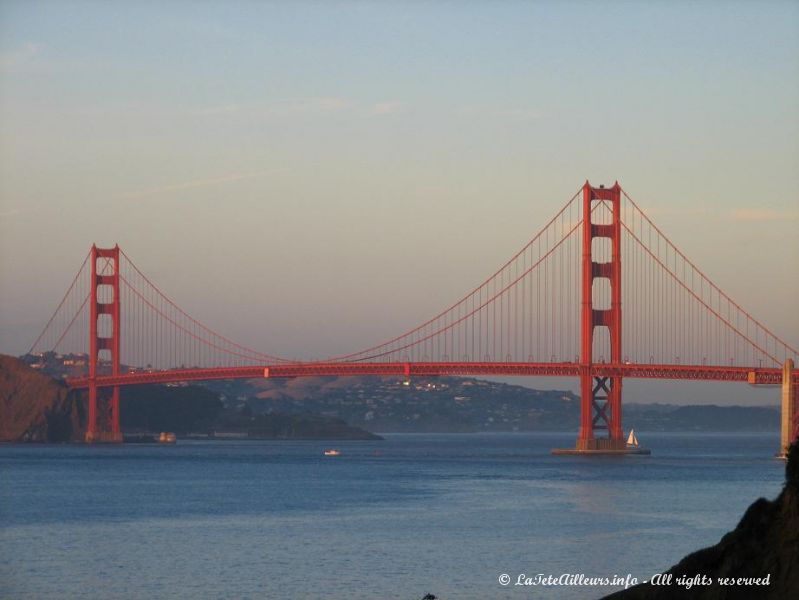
<point>632,440</point>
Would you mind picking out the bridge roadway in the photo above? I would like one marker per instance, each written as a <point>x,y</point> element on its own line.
<point>767,376</point>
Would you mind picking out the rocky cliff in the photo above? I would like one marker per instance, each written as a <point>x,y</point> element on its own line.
<point>34,407</point>
<point>765,543</point>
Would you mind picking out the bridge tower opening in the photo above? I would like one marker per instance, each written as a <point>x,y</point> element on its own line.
<point>600,404</point>
<point>104,337</point>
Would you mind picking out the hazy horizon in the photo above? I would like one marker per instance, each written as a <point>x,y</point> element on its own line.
<point>310,179</point>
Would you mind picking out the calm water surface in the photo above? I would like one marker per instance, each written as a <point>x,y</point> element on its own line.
<point>445,514</point>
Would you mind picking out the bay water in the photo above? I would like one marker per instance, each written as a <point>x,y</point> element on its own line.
<point>413,514</point>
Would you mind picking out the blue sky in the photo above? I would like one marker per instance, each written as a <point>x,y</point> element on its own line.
<point>372,162</point>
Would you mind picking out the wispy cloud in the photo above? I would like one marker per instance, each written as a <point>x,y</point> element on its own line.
<point>659,211</point>
<point>328,103</point>
<point>217,110</point>
<point>324,104</point>
<point>763,214</point>
<point>518,113</point>
<point>21,56</point>
<point>199,183</point>
<point>389,107</point>
<point>9,213</point>
<point>523,114</point>
<point>279,108</point>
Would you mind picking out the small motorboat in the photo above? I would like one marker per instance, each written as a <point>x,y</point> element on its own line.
<point>332,452</point>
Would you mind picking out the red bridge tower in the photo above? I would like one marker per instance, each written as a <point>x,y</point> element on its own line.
<point>601,396</point>
<point>104,335</point>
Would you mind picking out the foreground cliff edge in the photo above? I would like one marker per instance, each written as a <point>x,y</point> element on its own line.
<point>34,407</point>
<point>765,543</point>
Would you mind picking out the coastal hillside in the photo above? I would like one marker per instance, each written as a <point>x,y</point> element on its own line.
<point>765,543</point>
<point>34,407</point>
<point>463,404</point>
<point>37,407</point>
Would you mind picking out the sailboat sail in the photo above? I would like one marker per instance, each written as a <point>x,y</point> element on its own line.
<point>632,440</point>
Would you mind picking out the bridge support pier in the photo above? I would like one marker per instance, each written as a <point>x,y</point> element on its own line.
<point>600,408</point>
<point>789,429</point>
<point>104,334</point>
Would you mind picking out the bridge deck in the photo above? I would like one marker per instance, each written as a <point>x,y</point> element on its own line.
<point>772,376</point>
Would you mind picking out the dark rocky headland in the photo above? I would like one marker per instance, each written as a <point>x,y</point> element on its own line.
<point>765,543</point>
<point>36,407</point>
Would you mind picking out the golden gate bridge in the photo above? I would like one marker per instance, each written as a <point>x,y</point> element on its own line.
<point>553,309</point>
